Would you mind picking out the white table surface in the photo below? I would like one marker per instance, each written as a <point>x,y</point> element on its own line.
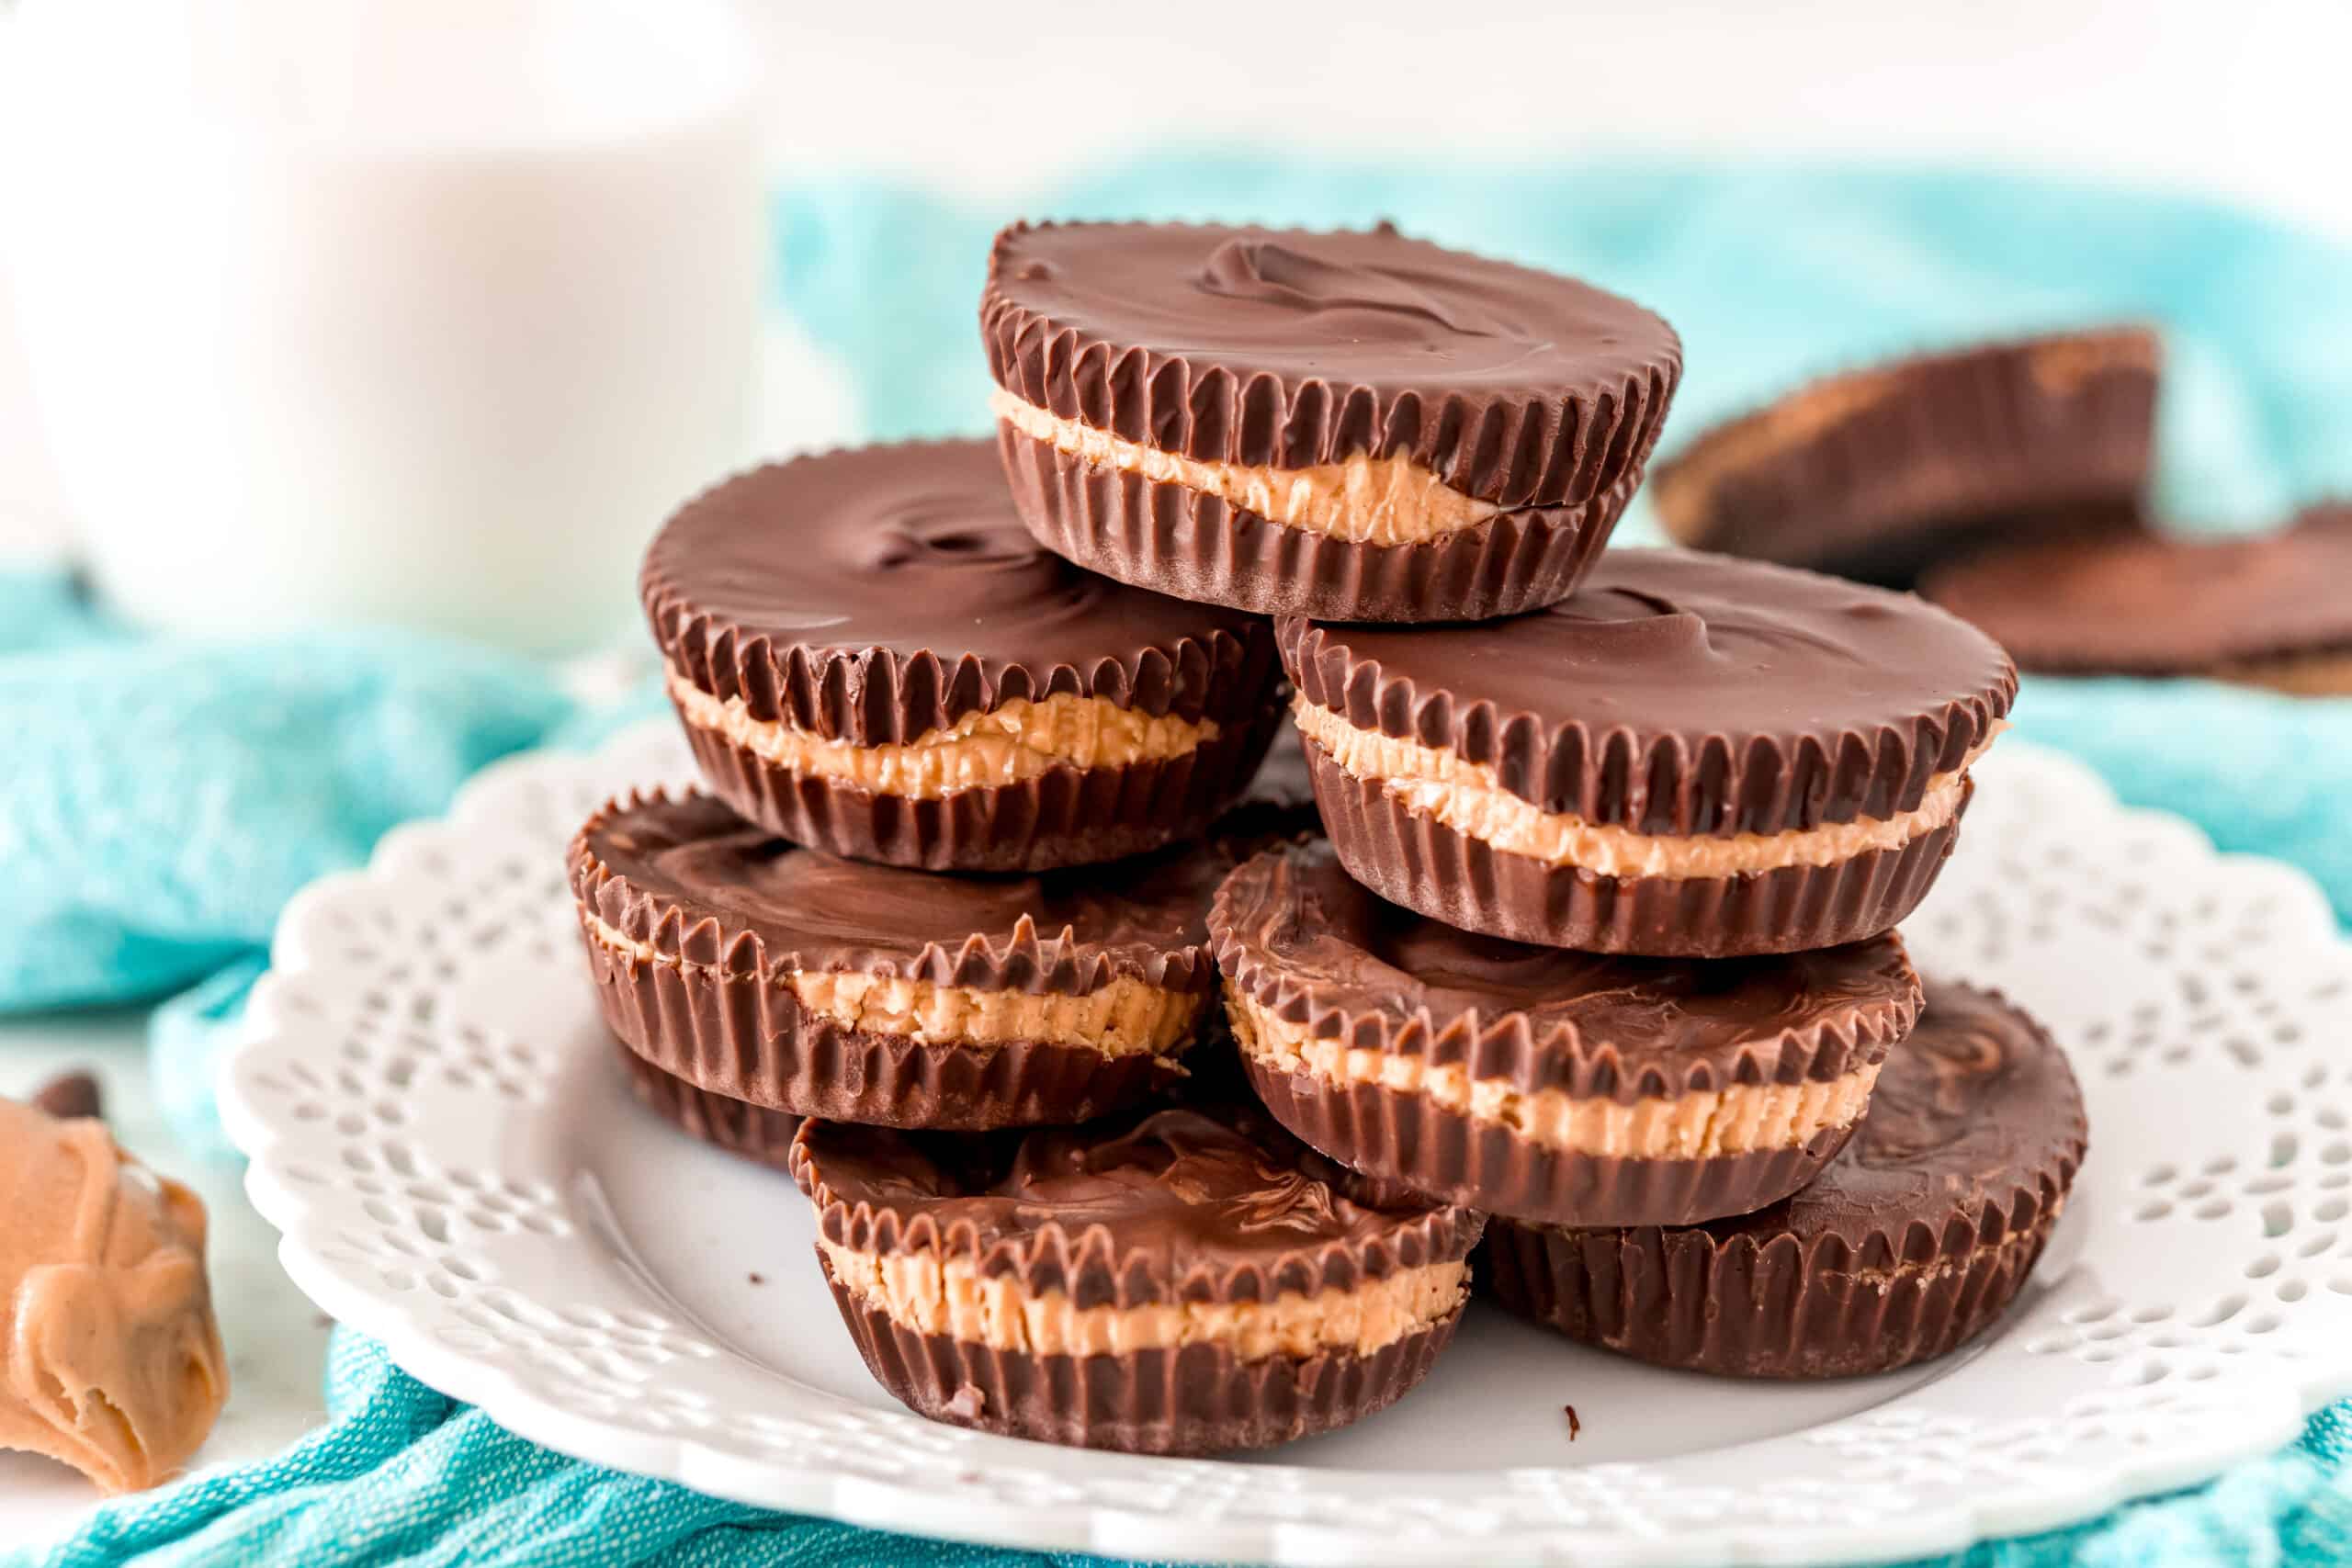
<point>277,1339</point>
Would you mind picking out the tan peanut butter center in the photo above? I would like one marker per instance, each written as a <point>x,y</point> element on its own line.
<point>1468,797</point>
<point>1700,1124</point>
<point>110,1357</point>
<point>1124,1017</point>
<point>1017,739</point>
<point>1371,501</point>
<point>921,1292</point>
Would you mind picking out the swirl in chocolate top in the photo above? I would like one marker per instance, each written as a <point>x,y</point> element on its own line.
<point>877,592</point>
<point>2141,603</point>
<point>1976,1111</point>
<point>1176,1203</point>
<point>692,879</point>
<point>1296,933</point>
<point>1681,692</point>
<point>1290,348</point>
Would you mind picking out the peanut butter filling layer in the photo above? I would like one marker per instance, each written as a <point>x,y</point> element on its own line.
<point>1468,797</point>
<point>1122,1018</point>
<point>1701,1125</point>
<point>1370,501</point>
<point>921,1292</point>
<point>1016,740</point>
<point>110,1357</point>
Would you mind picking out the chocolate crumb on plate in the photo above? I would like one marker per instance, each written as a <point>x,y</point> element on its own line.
<point>71,1095</point>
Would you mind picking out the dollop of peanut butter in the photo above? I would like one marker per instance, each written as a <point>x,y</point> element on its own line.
<point>110,1359</point>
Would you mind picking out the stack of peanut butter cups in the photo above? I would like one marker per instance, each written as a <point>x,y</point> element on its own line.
<point>1150,1099</point>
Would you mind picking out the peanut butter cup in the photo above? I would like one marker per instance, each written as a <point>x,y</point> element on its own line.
<point>1181,1281</point>
<point>1913,1241</point>
<point>1692,756</point>
<point>1879,472</point>
<point>1355,425</point>
<point>801,982</point>
<point>872,657</point>
<point>1566,1088</point>
<point>2269,610</point>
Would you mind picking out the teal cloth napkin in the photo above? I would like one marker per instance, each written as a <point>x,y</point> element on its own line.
<point>164,799</point>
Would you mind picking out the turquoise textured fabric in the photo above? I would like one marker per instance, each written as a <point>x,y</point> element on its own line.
<point>162,800</point>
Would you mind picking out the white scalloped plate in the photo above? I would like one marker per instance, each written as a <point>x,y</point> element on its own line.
<point>436,1124</point>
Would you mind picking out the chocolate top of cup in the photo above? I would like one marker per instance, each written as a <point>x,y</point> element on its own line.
<point>1285,348</point>
<point>1976,1116</point>
<point>876,594</point>
<point>1681,692</point>
<point>693,881</point>
<point>1182,1204</point>
<point>2146,604</point>
<point>1295,933</point>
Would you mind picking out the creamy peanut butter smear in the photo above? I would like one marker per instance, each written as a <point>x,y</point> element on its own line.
<point>1700,1124</point>
<point>1123,1016</point>
<point>1016,740</point>
<point>950,1296</point>
<point>110,1357</point>
<point>1363,500</point>
<point>1469,799</point>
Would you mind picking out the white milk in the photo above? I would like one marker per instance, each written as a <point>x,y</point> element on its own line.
<point>422,311</point>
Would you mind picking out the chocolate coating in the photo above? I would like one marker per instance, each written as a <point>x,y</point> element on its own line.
<point>1199,1399</point>
<point>2143,604</point>
<point>694,881</point>
<point>1410,858</point>
<point>1295,933</point>
<point>877,594</point>
<point>1286,348</point>
<point>1881,471</point>
<point>730,914</point>
<point>1909,1243</point>
<point>1683,693</point>
<point>1179,1205</point>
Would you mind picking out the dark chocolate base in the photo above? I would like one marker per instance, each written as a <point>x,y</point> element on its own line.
<point>1197,546</point>
<point>1402,1137</point>
<point>1200,1399</point>
<point>744,1038</point>
<point>1782,1310</point>
<point>1065,817</point>
<point>751,1131</point>
<point>1418,862</point>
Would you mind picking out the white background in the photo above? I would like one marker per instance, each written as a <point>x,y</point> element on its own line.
<point>2245,99</point>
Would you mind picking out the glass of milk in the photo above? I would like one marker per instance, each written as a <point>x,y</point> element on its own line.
<point>421,313</point>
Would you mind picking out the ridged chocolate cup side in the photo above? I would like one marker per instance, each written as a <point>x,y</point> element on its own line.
<point>1064,817</point>
<point>1877,472</point>
<point>1790,1309</point>
<point>1420,863</point>
<point>1403,1137</point>
<point>1200,1399</point>
<point>747,1038</point>
<point>755,1132</point>
<point>1572,417</point>
<point>1199,547</point>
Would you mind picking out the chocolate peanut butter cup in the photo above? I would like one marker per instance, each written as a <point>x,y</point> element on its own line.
<point>1692,756</point>
<point>2270,610</point>
<point>1913,1242</point>
<point>801,982</point>
<point>872,657</point>
<point>1353,425</point>
<point>1566,1088</point>
<point>1879,472</point>
<point>755,1132</point>
<point>1185,1280</point>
